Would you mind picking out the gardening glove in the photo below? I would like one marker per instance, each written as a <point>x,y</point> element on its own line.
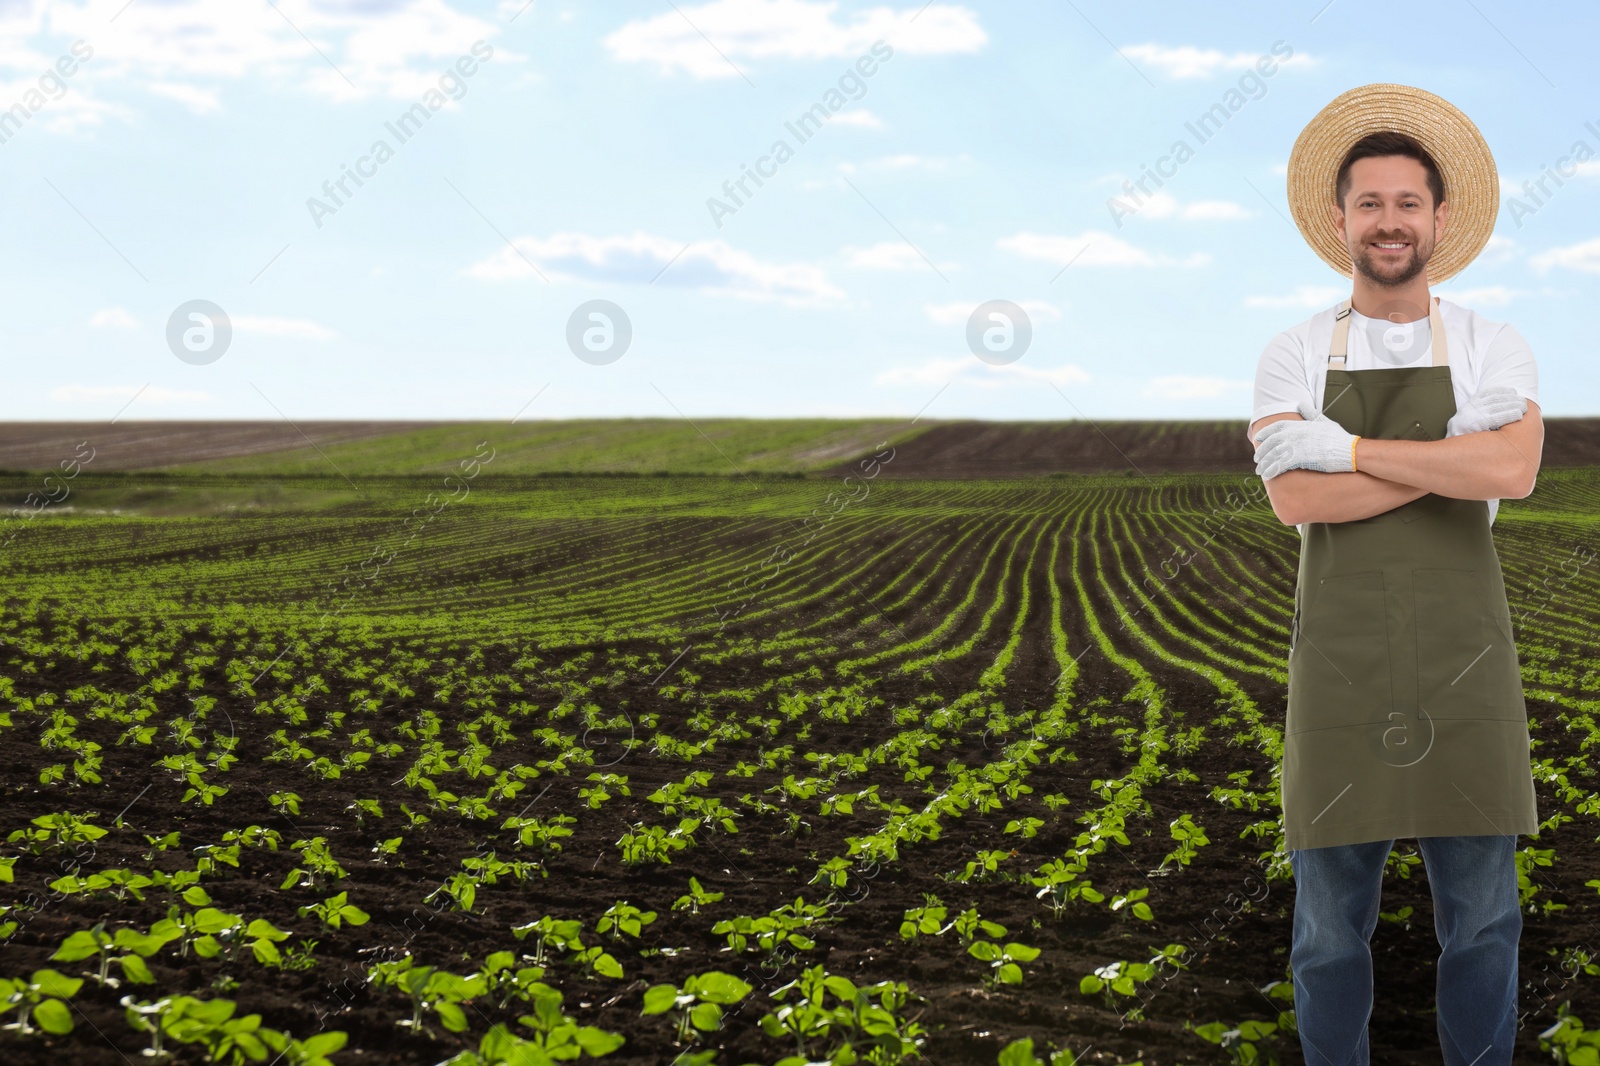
<point>1491,408</point>
<point>1316,443</point>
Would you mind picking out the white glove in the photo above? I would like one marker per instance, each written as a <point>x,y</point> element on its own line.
<point>1491,408</point>
<point>1316,443</point>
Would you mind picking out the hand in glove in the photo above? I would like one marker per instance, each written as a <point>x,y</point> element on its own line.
<point>1491,408</point>
<point>1316,443</point>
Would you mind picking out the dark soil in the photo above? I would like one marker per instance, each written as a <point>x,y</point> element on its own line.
<point>1035,449</point>
<point>965,449</point>
<point>1237,923</point>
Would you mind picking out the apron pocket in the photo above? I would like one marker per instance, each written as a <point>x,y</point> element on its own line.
<point>1339,667</point>
<point>1466,668</point>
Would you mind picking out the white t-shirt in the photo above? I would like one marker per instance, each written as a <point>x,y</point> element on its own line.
<point>1293,366</point>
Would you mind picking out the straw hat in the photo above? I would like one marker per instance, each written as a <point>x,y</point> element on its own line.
<point>1471,183</point>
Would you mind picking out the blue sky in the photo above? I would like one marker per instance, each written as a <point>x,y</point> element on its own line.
<point>568,153</point>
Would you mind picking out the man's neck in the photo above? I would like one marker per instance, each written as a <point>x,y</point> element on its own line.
<point>1406,303</point>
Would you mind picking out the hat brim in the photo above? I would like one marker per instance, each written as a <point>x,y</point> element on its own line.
<point>1472,184</point>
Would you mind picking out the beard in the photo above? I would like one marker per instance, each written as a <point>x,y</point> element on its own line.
<point>1390,274</point>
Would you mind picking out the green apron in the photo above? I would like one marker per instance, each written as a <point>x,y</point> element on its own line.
<point>1405,711</point>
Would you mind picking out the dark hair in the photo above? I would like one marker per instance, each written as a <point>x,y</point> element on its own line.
<point>1388,142</point>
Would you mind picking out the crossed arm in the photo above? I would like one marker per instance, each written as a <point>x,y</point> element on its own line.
<point>1495,464</point>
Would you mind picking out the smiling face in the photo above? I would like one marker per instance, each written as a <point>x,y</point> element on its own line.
<point>1389,221</point>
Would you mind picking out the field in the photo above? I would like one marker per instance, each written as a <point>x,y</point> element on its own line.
<point>915,760</point>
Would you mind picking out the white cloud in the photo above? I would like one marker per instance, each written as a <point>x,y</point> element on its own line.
<point>1314,297</point>
<point>857,116</point>
<point>957,313</point>
<point>189,50</point>
<point>709,40</point>
<point>31,105</point>
<point>113,318</point>
<point>1092,248</point>
<point>1216,209</point>
<point>890,255</point>
<point>1499,250</point>
<point>973,371</point>
<point>1585,256</point>
<point>281,327</point>
<point>1165,205</point>
<point>156,394</point>
<point>1187,61</point>
<point>200,101</point>
<point>1180,387</point>
<point>713,267</point>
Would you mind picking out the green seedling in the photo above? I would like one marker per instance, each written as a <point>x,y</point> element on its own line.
<point>623,918</point>
<point>320,866</point>
<point>161,843</point>
<point>201,792</point>
<point>697,898</point>
<point>557,1037</point>
<point>835,873</point>
<point>120,883</point>
<point>300,958</point>
<point>780,928</point>
<point>1122,978</point>
<point>929,919</point>
<point>1020,1053</point>
<point>653,843</point>
<point>430,989</point>
<point>1568,1041</point>
<point>1058,883</point>
<point>1132,902</point>
<point>1401,917</point>
<point>543,834</point>
<point>1190,837</point>
<point>968,925</point>
<point>507,981</point>
<point>210,1023</point>
<point>1028,827</point>
<point>1003,960</point>
<point>549,932</point>
<point>699,1002</point>
<point>88,943</point>
<point>336,911</point>
<point>57,830</point>
<point>40,998</point>
<point>1240,1041</point>
<point>807,1017</point>
<point>602,790</point>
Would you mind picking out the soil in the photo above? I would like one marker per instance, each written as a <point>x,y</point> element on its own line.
<point>1239,946</point>
<point>136,445</point>
<point>1035,449</point>
<point>965,449</point>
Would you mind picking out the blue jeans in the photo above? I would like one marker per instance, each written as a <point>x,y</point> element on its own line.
<point>1476,917</point>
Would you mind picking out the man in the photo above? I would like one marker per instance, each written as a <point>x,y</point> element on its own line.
<point>1387,430</point>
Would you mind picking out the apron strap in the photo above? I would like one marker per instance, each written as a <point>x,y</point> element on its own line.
<point>1341,335</point>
